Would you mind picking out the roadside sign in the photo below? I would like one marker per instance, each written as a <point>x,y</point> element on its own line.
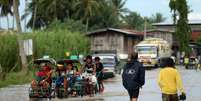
<point>28,47</point>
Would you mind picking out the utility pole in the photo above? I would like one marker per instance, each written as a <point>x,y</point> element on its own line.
<point>145,28</point>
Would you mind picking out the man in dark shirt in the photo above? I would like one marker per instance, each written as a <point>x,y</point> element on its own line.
<point>99,73</point>
<point>133,76</point>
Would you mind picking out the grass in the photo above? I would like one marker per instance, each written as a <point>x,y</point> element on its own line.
<point>16,78</point>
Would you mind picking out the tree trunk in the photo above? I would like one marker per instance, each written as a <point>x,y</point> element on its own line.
<point>87,24</point>
<point>33,28</point>
<point>25,20</point>
<point>34,15</point>
<point>7,22</point>
<point>20,42</point>
<point>55,10</point>
<point>13,27</point>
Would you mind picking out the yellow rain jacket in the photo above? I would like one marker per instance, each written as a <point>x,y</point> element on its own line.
<point>169,81</point>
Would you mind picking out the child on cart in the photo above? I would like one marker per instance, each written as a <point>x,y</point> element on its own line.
<point>71,76</point>
<point>61,79</point>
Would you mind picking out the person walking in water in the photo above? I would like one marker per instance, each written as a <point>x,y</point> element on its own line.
<point>169,81</point>
<point>133,76</point>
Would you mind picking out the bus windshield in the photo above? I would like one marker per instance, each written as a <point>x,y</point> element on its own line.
<point>147,50</point>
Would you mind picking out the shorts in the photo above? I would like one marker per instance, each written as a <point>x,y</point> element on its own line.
<point>134,93</point>
<point>99,76</point>
<point>170,97</point>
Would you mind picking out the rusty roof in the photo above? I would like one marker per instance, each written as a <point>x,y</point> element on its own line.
<point>123,31</point>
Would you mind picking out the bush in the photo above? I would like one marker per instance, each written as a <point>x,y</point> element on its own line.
<point>53,43</point>
<point>8,51</point>
<point>56,43</point>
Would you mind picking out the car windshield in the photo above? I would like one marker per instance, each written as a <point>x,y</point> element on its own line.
<point>147,50</point>
<point>108,62</point>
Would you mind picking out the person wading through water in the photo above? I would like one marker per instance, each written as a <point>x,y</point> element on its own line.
<point>133,76</point>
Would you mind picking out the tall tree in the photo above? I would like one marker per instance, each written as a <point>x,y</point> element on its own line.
<point>134,20</point>
<point>118,7</point>
<point>156,18</point>
<point>87,9</point>
<point>19,30</point>
<point>183,31</point>
<point>105,17</point>
<point>44,12</point>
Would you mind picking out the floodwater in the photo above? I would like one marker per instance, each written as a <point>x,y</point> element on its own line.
<point>114,90</point>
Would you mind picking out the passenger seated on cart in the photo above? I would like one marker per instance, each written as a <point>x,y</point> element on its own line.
<point>71,76</point>
<point>48,71</point>
<point>43,77</point>
<point>89,70</point>
<point>61,79</point>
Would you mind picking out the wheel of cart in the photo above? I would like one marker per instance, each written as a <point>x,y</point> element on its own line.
<point>78,89</point>
<point>90,84</point>
<point>41,86</point>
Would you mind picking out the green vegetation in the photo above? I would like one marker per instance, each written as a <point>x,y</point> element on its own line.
<point>180,9</point>
<point>198,40</point>
<point>56,43</point>
<point>135,21</point>
<point>48,42</point>
<point>9,55</point>
<point>94,14</point>
<point>16,78</point>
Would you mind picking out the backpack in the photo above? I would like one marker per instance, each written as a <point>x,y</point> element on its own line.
<point>130,76</point>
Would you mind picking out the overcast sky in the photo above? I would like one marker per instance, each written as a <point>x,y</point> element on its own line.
<point>149,7</point>
<point>143,7</point>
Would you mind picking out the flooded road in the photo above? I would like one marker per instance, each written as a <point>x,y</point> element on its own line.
<point>114,90</point>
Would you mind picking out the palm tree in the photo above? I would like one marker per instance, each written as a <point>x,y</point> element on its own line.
<point>87,9</point>
<point>6,9</point>
<point>45,12</point>
<point>118,7</point>
<point>19,30</point>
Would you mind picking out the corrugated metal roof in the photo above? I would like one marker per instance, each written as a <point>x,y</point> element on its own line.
<point>159,30</point>
<point>124,31</point>
<point>191,22</point>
